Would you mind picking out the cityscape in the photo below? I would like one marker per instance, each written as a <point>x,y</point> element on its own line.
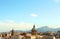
<point>29,19</point>
<point>34,34</point>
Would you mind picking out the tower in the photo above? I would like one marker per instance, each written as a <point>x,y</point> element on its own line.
<point>12,32</point>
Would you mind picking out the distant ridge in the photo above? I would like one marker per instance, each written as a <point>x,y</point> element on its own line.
<point>47,29</point>
<point>42,29</point>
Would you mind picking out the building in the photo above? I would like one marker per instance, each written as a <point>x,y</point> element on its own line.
<point>34,31</point>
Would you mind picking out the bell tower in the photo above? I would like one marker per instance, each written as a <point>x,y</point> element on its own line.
<point>12,32</point>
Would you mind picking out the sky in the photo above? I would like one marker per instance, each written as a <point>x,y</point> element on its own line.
<point>23,14</point>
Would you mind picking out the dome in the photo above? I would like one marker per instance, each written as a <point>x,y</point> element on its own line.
<point>33,29</point>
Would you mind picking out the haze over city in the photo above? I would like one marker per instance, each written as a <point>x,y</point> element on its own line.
<point>23,14</point>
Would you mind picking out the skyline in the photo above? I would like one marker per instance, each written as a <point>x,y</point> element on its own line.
<point>19,14</point>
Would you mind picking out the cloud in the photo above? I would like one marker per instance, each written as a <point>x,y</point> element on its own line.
<point>7,25</point>
<point>34,15</point>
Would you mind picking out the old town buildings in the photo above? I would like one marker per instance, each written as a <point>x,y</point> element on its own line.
<point>28,35</point>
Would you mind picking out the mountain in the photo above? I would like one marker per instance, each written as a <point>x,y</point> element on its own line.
<point>47,29</point>
<point>42,29</point>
